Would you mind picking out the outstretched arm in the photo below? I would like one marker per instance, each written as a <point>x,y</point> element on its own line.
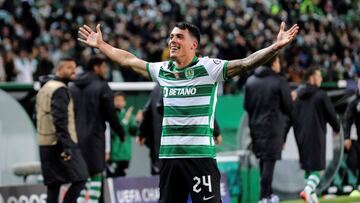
<point>235,67</point>
<point>124,58</point>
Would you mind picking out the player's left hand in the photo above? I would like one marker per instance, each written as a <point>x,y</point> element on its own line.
<point>285,37</point>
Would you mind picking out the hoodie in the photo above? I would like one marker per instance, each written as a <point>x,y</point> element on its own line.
<point>268,104</point>
<point>352,116</point>
<point>313,109</point>
<point>93,106</point>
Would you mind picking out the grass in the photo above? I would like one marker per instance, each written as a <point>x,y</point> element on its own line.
<point>343,199</point>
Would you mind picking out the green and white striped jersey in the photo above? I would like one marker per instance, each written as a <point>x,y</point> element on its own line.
<point>189,96</point>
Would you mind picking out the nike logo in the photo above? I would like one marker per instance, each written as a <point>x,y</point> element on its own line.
<point>207,198</point>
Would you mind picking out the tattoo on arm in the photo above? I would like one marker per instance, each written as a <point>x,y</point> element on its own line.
<point>236,67</point>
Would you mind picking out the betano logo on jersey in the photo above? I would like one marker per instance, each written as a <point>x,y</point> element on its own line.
<point>185,91</point>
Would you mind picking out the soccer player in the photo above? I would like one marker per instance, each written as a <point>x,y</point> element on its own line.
<point>189,89</point>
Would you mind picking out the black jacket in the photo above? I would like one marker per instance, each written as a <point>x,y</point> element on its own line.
<point>151,126</point>
<point>352,115</point>
<point>268,103</point>
<point>313,109</point>
<point>94,105</point>
<point>54,168</point>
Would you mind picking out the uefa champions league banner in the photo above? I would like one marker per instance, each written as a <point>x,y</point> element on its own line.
<point>23,194</point>
<point>146,189</point>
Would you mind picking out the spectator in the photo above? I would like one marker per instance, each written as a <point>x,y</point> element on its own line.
<point>2,70</point>
<point>9,66</point>
<point>25,67</point>
<point>230,29</point>
<point>45,66</point>
<point>120,152</point>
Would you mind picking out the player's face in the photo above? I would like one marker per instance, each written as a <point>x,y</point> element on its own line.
<point>317,78</point>
<point>67,70</point>
<point>119,102</point>
<point>181,43</point>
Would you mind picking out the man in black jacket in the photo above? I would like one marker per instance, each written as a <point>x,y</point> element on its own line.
<point>268,102</point>
<point>60,156</point>
<point>313,109</point>
<point>352,116</point>
<point>93,102</point>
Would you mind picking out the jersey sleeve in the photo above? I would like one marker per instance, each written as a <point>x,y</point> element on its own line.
<point>153,70</point>
<point>216,68</point>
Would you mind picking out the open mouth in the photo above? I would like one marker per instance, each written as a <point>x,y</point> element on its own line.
<point>174,48</point>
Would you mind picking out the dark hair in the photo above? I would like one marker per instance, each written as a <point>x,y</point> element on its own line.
<point>66,59</point>
<point>271,61</point>
<point>193,29</point>
<point>309,72</point>
<point>94,61</point>
<point>119,94</point>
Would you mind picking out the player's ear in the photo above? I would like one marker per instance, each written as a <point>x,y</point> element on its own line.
<point>195,44</point>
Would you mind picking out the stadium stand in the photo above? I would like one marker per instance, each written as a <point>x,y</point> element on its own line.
<point>36,34</point>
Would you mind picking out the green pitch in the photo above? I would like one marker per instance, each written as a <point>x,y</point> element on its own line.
<point>343,199</point>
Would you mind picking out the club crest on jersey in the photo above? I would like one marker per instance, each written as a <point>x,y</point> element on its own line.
<point>189,73</point>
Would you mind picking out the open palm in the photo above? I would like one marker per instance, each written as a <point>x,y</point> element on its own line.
<point>285,37</point>
<point>89,37</point>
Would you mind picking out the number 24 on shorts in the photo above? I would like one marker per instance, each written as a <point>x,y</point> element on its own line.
<point>205,180</point>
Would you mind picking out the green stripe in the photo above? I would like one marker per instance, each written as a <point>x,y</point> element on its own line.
<point>148,70</point>
<point>92,197</point>
<point>224,70</point>
<point>211,116</point>
<point>186,130</point>
<point>187,91</point>
<point>187,150</point>
<point>198,71</point>
<point>186,111</point>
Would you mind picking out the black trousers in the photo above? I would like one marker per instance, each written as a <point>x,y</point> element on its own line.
<point>198,177</point>
<point>266,172</point>
<point>119,170</point>
<point>71,195</point>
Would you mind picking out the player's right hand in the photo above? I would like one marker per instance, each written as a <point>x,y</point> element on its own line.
<point>89,37</point>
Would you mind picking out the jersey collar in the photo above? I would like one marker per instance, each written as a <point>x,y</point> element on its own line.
<point>172,65</point>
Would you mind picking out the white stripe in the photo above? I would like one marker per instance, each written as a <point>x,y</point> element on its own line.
<point>214,107</point>
<point>201,120</point>
<point>187,101</point>
<point>196,81</point>
<point>111,189</point>
<point>94,193</point>
<point>178,157</point>
<point>314,178</point>
<point>185,140</point>
<point>95,184</point>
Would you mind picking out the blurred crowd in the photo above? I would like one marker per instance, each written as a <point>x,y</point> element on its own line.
<point>34,35</point>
